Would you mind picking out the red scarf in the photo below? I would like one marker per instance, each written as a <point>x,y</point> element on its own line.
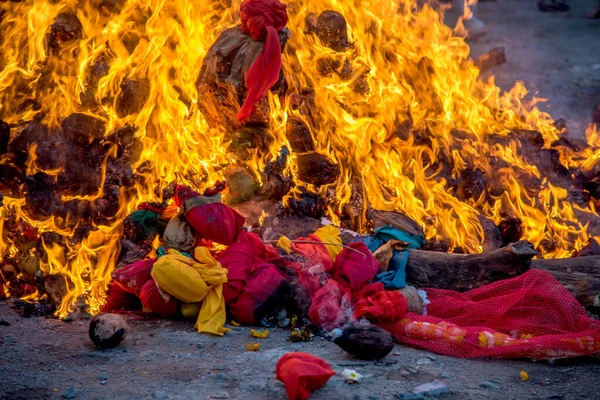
<point>262,19</point>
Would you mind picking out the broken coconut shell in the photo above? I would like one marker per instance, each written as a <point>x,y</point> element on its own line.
<point>413,299</point>
<point>366,342</point>
<point>108,330</point>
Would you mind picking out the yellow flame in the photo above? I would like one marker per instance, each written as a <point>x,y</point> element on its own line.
<point>408,63</point>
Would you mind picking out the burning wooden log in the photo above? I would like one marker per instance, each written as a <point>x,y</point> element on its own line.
<point>317,169</point>
<point>331,28</point>
<point>65,29</point>
<point>132,96</point>
<point>221,82</point>
<point>299,136</point>
<point>83,128</point>
<point>493,58</point>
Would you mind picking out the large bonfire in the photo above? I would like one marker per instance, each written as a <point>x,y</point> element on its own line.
<point>103,104</point>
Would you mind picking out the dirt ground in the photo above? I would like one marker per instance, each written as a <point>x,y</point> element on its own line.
<point>46,358</point>
<point>556,54</point>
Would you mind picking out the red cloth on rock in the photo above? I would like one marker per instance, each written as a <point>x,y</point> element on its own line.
<point>329,305</point>
<point>265,282</point>
<point>379,305</point>
<point>153,301</point>
<point>262,19</point>
<point>302,373</point>
<point>354,270</point>
<point>253,275</point>
<point>529,316</point>
<point>131,278</point>
<point>317,256</point>
<point>216,222</point>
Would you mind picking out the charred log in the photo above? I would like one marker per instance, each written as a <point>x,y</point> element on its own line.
<point>308,204</point>
<point>396,220</point>
<point>492,237</point>
<point>132,97</point>
<point>221,84</point>
<point>4,137</point>
<point>511,230</point>
<point>82,128</point>
<point>471,184</point>
<point>66,29</point>
<point>299,136</point>
<point>317,169</point>
<point>354,213</point>
<point>331,28</point>
<point>493,58</point>
<point>277,183</point>
<point>467,271</point>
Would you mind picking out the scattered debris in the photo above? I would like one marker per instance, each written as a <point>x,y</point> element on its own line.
<point>253,347</point>
<point>351,376</point>
<point>300,335</point>
<point>524,376</point>
<point>489,385</point>
<point>262,334</point>
<point>433,388</point>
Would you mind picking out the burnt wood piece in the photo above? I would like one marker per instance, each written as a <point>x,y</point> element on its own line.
<point>299,136</point>
<point>317,169</point>
<point>493,58</point>
<point>395,219</point>
<point>463,272</point>
<point>331,28</point>
<point>221,83</point>
<point>132,96</point>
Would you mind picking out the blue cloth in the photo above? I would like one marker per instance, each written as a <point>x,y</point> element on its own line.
<point>161,251</point>
<point>395,276</point>
<point>387,233</point>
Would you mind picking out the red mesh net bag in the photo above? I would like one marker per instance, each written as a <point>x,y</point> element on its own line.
<point>530,316</point>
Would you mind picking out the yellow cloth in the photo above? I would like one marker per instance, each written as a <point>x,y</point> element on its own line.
<point>285,244</point>
<point>190,310</point>
<point>193,281</point>
<point>330,234</point>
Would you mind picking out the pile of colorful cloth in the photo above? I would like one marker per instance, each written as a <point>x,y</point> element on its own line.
<point>211,269</point>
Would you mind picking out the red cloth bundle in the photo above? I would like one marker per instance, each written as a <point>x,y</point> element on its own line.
<point>379,305</point>
<point>262,19</point>
<point>153,301</point>
<point>119,299</point>
<point>132,277</point>
<point>317,256</point>
<point>354,270</point>
<point>266,282</point>
<point>302,373</point>
<point>253,276</point>
<point>210,218</point>
<point>327,309</point>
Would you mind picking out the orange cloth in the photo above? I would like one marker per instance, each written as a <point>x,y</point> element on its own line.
<point>302,373</point>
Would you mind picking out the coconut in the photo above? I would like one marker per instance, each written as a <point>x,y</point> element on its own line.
<point>414,300</point>
<point>108,330</point>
